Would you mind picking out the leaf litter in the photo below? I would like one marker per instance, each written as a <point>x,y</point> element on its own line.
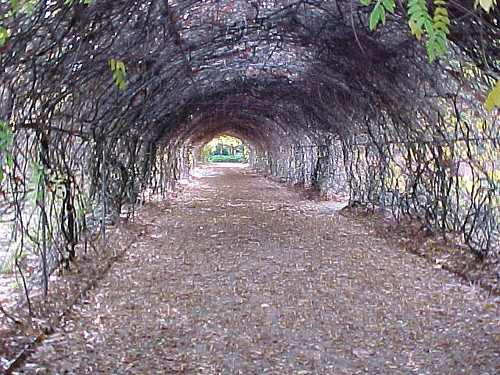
<point>240,275</point>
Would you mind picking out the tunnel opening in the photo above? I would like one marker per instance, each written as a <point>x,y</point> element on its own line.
<point>225,148</point>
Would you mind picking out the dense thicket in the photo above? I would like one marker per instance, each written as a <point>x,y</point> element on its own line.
<point>104,101</point>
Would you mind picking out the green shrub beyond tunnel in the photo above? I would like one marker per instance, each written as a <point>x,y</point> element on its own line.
<point>226,158</point>
<point>225,148</point>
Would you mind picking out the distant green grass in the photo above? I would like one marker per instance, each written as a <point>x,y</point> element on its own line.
<point>226,158</point>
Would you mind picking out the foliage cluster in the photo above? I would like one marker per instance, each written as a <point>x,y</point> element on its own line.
<point>119,73</point>
<point>225,148</point>
<point>429,21</point>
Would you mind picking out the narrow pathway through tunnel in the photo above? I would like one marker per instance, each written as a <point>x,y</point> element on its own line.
<point>239,275</point>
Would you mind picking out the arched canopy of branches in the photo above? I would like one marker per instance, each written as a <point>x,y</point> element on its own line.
<point>103,99</point>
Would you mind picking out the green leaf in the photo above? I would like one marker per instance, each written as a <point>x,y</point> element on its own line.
<point>388,5</point>
<point>436,46</point>
<point>10,160</point>
<point>428,26</point>
<point>15,6</point>
<point>419,18</point>
<point>4,34</point>
<point>382,16</point>
<point>119,72</point>
<point>378,14</point>
<point>437,42</point>
<point>412,3</point>
<point>375,16</point>
<point>6,136</point>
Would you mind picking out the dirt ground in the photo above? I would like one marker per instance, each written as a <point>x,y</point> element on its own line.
<point>240,275</point>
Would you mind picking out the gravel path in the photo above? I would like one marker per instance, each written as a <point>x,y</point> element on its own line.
<point>239,276</point>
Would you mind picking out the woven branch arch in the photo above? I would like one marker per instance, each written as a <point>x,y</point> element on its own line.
<point>324,102</point>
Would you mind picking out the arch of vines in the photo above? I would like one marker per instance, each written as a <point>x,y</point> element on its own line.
<point>103,100</point>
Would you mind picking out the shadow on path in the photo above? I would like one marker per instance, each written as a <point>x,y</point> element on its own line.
<point>238,275</point>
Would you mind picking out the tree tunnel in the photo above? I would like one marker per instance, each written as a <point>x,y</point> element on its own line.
<point>102,99</point>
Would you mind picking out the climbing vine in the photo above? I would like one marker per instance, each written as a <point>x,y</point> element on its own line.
<point>429,25</point>
<point>420,19</point>
<point>436,43</point>
<point>421,23</point>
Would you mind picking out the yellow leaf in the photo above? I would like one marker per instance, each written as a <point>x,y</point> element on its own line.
<point>493,99</point>
<point>120,65</point>
<point>112,63</point>
<point>487,5</point>
<point>416,31</point>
